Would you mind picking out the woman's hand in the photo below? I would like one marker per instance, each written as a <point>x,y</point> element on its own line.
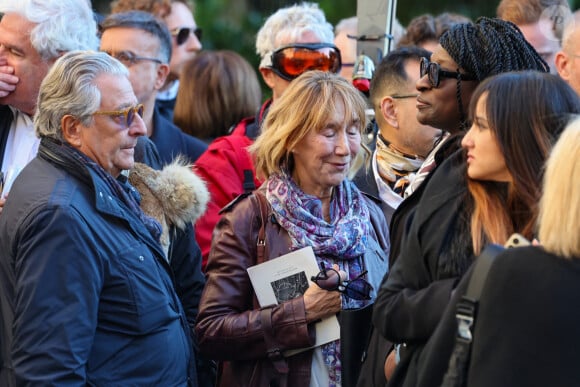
<point>320,303</point>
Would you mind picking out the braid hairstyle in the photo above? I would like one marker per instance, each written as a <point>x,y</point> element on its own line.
<point>489,47</point>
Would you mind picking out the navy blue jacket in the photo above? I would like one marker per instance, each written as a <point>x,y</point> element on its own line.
<point>171,141</point>
<point>85,288</point>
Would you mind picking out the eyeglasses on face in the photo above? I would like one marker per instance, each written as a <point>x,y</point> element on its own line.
<point>128,114</point>
<point>434,72</point>
<point>129,58</point>
<point>403,96</point>
<point>182,34</point>
<point>290,61</point>
<point>329,279</point>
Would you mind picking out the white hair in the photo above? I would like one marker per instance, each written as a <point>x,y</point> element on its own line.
<point>287,25</point>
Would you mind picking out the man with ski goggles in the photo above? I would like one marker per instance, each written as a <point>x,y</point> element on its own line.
<point>291,60</point>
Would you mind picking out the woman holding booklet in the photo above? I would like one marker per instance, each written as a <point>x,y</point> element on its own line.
<point>309,147</point>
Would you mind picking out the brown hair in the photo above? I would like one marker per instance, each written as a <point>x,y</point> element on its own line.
<point>217,89</point>
<point>525,129</point>
<point>425,28</point>
<point>521,12</point>
<point>159,8</point>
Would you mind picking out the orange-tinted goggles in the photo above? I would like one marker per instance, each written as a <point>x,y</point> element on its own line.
<point>290,61</point>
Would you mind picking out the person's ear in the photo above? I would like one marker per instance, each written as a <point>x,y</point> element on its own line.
<point>562,62</point>
<point>162,73</point>
<point>71,130</point>
<point>389,111</point>
<point>268,76</point>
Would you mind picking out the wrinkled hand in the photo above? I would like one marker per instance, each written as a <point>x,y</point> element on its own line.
<point>8,80</point>
<point>320,303</point>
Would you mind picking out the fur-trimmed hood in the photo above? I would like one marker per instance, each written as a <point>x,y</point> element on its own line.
<point>174,195</point>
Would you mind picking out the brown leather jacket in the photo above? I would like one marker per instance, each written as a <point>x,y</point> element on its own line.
<point>230,324</point>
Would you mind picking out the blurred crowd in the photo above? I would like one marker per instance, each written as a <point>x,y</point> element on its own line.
<point>141,176</point>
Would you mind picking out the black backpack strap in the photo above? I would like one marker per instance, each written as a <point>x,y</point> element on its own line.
<point>466,312</point>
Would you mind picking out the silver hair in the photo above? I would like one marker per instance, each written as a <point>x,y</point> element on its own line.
<point>70,88</point>
<point>62,25</point>
<point>288,24</point>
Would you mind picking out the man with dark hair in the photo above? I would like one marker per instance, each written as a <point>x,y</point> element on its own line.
<point>186,41</point>
<point>143,44</point>
<point>402,143</point>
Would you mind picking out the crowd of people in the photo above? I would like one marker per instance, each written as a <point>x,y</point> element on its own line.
<point>142,178</point>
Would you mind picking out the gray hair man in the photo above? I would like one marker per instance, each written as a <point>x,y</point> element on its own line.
<point>86,287</point>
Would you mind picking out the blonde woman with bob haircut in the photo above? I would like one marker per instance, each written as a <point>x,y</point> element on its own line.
<point>309,146</point>
<point>297,118</point>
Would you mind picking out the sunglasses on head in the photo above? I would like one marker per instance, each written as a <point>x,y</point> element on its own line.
<point>329,279</point>
<point>292,60</point>
<point>434,72</point>
<point>128,114</point>
<point>182,34</point>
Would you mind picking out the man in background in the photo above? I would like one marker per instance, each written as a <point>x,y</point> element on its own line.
<point>568,58</point>
<point>33,34</point>
<point>143,44</point>
<point>541,23</point>
<point>402,143</point>
<point>186,40</point>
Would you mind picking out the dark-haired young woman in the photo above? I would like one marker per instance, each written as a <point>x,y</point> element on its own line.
<point>479,195</point>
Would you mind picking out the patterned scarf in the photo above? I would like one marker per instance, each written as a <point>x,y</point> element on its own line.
<point>341,241</point>
<point>395,167</point>
<point>428,165</point>
<point>79,164</point>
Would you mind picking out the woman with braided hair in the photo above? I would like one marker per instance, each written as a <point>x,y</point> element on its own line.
<point>467,54</point>
<point>437,246</point>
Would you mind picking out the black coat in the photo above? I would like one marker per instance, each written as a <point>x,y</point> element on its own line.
<point>435,253</point>
<point>526,329</point>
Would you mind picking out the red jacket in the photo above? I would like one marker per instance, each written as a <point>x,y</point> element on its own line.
<point>222,167</point>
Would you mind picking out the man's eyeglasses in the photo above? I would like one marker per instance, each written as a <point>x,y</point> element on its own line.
<point>129,58</point>
<point>434,72</point>
<point>292,60</point>
<point>182,34</point>
<point>403,96</point>
<point>329,279</point>
<point>128,114</point>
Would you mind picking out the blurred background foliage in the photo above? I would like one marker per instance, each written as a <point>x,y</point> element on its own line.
<point>233,24</point>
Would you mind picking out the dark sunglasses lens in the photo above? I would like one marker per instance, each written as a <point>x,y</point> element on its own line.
<point>434,74</point>
<point>423,67</point>
<point>328,280</point>
<point>182,36</point>
<point>358,289</point>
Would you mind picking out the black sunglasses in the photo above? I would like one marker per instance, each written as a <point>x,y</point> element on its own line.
<point>434,72</point>
<point>182,34</point>
<point>329,279</point>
